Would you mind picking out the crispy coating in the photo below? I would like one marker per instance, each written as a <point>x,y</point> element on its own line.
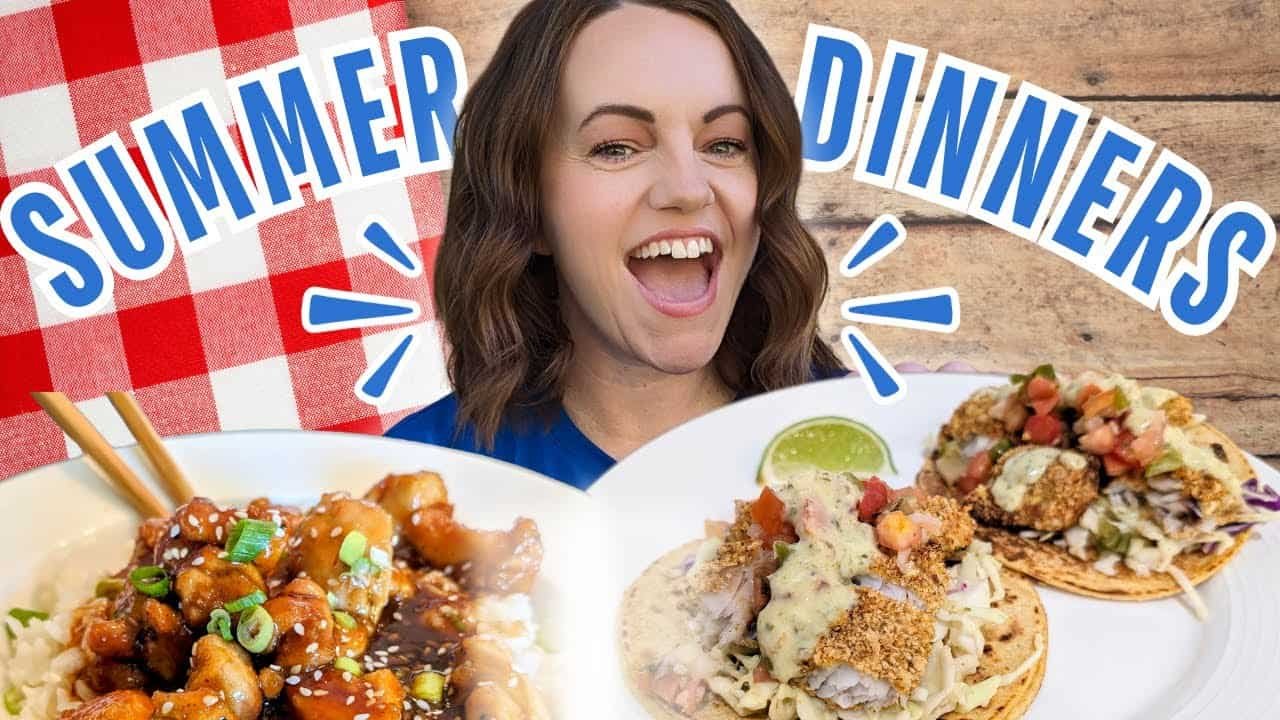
<point>1214,498</point>
<point>1178,411</point>
<point>973,418</point>
<point>882,638</point>
<point>737,550</point>
<point>1054,502</point>
<point>957,525</point>
<point>926,574</point>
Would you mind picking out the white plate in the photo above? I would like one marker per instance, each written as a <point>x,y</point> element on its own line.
<point>66,511</point>
<point>1106,659</point>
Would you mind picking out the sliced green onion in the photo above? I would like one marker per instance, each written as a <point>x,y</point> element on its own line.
<point>333,600</point>
<point>257,597</point>
<point>256,630</point>
<point>428,686</point>
<point>999,449</point>
<point>248,539</point>
<point>346,664</point>
<point>108,587</point>
<point>363,566</point>
<point>1168,461</point>
<point>13,700</point>
<point>353,547</point>
<point>781,551</point>
<point>150,580</point>
<point>344,620</point>
<point>220,624</point>
<point>1044,371</point>
<point>25,616</point>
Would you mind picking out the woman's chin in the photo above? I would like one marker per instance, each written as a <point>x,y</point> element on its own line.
<point>674,358</point>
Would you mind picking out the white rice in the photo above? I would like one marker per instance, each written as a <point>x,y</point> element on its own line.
<point>37,661</point>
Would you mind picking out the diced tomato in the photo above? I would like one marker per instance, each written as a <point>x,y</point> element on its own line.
<point>1086,392</point>
<point>875,495</point>
<point>895,531</point>
<point>1099,441</point>
<point>975,473</point>
<point>769,512</point>
<point>1041,388</point>
<point>1045,406</point>
<point>1101,404</point>
<point>1146,447</point>
<point>1042,429</point>
<point>1116,465</point>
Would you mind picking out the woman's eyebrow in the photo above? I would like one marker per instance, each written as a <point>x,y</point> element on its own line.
<point>631,111</point>
<point>721,110</point>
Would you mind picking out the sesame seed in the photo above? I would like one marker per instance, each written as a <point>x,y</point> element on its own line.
<point>217,532</point>
<point>422,704</point>
<point>415,519</point>
<point>361,716</point>
<point>324,624</point>
<point>335,532</point>
<point>346,676</point>
<point>393,648</point>
<point>173,533</point>
<point>213,518</point>
<point>295,669</point>
<point>317,675</point>
<point>185,552</point>
<point>441,651</point>
<point>407,705</point>
<point>306,692</point>
<point>313,647</point>
<point>210,700</point>
<point>453,598</point>
<point>314,533</point>
<point>466,566</point>
<point>322,693</point>
<point>397,616</point>
<point>293,679</point>
<point>351,699</point>
<point>166,708</point>
<point>197,562</point>
<point>275,667</point>
<point>297,627</point>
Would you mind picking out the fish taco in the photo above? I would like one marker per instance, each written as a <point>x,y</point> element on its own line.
<point>1098,484</point>
<point>833,598</point>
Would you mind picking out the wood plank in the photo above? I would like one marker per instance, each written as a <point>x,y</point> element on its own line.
<point>1017,298</point>
<point>1233,143</point>
<point>1163,48</point>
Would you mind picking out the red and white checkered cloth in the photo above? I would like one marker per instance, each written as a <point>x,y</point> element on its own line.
<point>214,342</point>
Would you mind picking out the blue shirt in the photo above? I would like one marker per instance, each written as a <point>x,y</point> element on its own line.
<point>552,445</point>
<point>558,449</point>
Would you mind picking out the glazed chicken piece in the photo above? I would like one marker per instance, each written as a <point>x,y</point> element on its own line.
<point>197,705</point>
<point>193,526</point>
<point>271,561</point>
<point>209,581</point>
<point>133,629</point>
<point>490,560</point>
<point>224,668</point>
<point>491,688</point>
<point>378,696</point>
<point>304,634</point>
<point>362,592</point>
<point>402,495</point>
<point>118,705</point>
<point>165,640</point>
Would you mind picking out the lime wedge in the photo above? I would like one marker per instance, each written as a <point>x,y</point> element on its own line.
<point>833,444</point>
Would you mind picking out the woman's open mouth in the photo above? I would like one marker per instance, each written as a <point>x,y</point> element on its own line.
<point>677,275</point>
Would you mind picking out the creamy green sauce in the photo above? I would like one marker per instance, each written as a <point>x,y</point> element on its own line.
<point>1197,457</point>
<point>812,588</point>
<point>1023,468</point>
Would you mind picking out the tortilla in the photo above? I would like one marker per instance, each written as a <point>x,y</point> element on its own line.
<point>652,623</point>
<point>1056,567</point>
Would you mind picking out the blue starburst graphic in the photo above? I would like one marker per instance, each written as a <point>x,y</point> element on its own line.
<point>327,310</point>
<point>933,310</point>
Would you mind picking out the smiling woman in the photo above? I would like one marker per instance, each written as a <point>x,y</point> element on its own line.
<point>622,252</point>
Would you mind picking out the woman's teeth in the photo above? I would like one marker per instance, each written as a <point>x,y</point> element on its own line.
<point>679,249</point>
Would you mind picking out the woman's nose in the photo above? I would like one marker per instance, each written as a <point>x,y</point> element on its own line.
<point>682,184</point>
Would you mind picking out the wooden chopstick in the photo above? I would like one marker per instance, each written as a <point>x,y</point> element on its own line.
<point>78,428</point>
<point>171,477</point>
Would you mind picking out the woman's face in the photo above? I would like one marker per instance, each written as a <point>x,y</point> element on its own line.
<point>649,189</point>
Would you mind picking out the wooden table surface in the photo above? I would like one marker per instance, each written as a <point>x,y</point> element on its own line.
<point>1202,79</point>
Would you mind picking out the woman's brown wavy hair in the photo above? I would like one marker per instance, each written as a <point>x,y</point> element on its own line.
<point>498,300</point>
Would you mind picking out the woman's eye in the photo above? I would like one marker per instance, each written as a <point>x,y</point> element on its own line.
<point>612,152</point>
<point>727,148</point>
